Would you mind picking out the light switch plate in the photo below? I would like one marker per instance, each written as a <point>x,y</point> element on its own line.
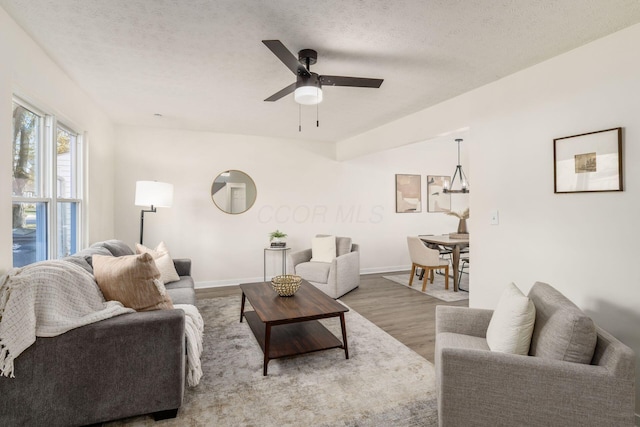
<point>494,219</point>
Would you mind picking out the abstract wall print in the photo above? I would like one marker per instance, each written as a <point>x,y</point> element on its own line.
<point>589,162</point>
<point>408,193</point>
<point>437,201</point>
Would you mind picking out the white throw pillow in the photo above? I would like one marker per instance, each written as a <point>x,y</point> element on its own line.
<point>512,323</point>
<point>323,249</point>
<point>163,260</point>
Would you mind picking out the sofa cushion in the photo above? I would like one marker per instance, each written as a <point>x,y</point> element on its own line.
<point>512,323</point>
<point>183,282</point>
<point>343,245</point>
<point>182,295</point>
<point>323,248</point>
<point>314,271</point>
<point>88,254</point>
<point>562,331</point>
<point>183,266</point>
<point>80,262</point>
<point>163,261</point>
<point>115,247</point>
<point>133,280</point>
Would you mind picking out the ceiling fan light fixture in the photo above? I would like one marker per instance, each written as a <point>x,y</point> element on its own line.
<point>308,95</point>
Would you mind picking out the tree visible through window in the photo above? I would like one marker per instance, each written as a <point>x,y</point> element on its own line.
<point>44,176</point>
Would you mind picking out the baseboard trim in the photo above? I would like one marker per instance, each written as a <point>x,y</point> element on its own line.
<point>235,282</point>
<point>229,282</point>
<point>378,270</point>
<point>637,419</point>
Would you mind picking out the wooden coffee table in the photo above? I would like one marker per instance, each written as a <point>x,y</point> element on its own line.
<point>287,326</point>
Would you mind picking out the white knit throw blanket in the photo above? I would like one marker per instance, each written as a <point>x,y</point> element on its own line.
<point>193,329</point>
<point>47,299</point>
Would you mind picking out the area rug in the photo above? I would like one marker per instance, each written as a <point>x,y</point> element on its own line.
<point>435,289</point>
<point>383,383</point>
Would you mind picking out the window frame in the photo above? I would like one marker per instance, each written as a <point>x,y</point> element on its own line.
<point>47,182</point>
<point>77,174</point>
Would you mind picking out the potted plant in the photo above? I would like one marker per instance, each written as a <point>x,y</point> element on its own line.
<point>462,216</point>
<point>276,238</point>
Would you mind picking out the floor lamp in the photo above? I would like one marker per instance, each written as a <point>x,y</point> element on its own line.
<point>154,194</point>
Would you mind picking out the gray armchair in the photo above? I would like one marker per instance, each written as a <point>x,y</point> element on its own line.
<point>334,278</point>
<point>478,387</point>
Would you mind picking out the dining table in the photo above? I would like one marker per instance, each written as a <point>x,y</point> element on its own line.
<point>455,244</point>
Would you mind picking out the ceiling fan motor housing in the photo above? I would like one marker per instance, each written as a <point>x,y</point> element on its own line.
<point>308,57</point>
<point>312,80</point>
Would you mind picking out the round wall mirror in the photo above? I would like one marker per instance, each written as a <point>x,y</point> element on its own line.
<point>233,192</point>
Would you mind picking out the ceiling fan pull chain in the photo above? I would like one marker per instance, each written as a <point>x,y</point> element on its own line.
<point>299,118</point>
<point>317,113</point>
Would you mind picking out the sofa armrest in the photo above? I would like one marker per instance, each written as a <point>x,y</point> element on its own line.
<point>463,320</point>
<point>183,266</point>
<point>348,266</point>
<point>299,257</point>
<point>505,389</point>
<point>131,364</point>
<point>612,354</point>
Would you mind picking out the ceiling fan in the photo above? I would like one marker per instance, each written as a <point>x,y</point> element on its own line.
<point>308,86</point>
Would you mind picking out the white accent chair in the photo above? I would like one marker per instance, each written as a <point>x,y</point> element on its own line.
<point>334,278</point>
<point>427,259</point>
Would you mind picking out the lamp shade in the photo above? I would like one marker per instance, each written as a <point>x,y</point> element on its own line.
<point>308,95</point>
<point>153,193</point>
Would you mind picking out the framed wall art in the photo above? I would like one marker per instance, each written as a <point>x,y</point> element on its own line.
<point>589,162</point>
<point>408,193</point>
<point>437,201</point>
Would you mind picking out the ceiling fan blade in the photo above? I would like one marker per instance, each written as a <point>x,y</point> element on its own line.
<point>350,81</point>
<point>286,91</point>
<point>286,57</point>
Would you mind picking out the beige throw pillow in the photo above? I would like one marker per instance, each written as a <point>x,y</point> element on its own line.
<point>323,249</point>
<point>511,325</point>
<point>163,260</point>
<point>134,280</point>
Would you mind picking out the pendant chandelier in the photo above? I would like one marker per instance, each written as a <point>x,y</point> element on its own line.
<point>464,183</point>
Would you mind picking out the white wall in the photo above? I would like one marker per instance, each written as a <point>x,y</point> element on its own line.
<point>27,71</point>
<point>583,244</point>
<point>301,191</point>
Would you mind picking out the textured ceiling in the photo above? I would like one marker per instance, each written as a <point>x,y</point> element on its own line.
<point>201,63</point>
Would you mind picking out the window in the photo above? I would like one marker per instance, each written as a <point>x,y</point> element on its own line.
<point>46,186</point>
<point>68,202</point>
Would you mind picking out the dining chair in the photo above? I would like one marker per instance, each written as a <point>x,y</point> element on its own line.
<point>428,259</point>
<point>444,252</point>
<point>464,263</point>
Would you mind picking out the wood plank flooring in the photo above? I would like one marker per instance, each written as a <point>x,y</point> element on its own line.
<point>405,314</point>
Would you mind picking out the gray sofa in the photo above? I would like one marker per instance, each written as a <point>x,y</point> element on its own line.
<point>478,387</point>
<point>120,367</point>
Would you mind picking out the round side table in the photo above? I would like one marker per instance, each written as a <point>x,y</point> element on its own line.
<point>283,252</point>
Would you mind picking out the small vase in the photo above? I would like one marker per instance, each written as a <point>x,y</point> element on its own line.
<point>462,226</point>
